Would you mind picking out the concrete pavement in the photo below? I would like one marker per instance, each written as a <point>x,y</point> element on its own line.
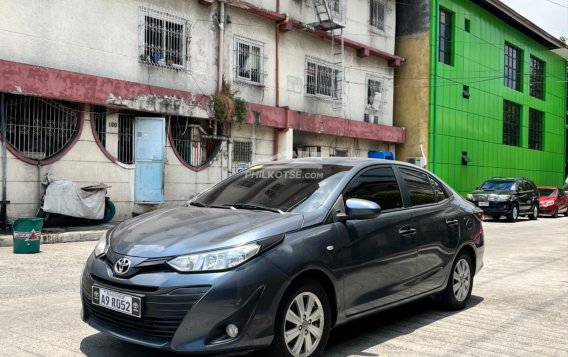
<point>519,305</point>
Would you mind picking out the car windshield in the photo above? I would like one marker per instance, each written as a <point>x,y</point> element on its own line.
<point>498,185</point>
<point>547,192</point>
<point>288,188</point>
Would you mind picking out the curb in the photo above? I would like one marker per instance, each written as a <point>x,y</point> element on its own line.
<point>63,237</point>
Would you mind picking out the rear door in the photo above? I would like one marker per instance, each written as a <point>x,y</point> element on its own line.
<point>437,221</point>
<point>379,262</point>
<point>149,154</point>
<point>525,196</point>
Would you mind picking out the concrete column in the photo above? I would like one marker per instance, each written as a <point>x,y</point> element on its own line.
<point>285,144</point>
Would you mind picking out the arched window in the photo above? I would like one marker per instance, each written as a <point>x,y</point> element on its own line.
<point>114,131</point>
<point>195,141</point>
<point>39,129</point>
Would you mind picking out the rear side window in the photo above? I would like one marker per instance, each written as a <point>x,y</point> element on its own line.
<point>438,189</point>
<point>378,185</point>
<point>419,188</point>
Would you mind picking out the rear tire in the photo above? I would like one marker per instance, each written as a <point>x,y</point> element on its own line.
<point>460,283</point>
<point>533,216</point>
<point>514,214</point>
<point>293,328</point>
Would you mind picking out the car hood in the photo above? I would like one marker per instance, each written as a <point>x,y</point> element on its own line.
<point>185,230</point>
<point>494,192</point>
<point>546,198</point>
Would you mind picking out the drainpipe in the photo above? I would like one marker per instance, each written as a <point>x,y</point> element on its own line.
<point>434,91</point>
<point>4,163</point>
<point>277,132</point>
<point>221,44</point>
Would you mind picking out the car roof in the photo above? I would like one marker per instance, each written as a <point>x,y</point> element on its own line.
<point>507,178</point>
<point>549,187</point>
<point>344,161</point>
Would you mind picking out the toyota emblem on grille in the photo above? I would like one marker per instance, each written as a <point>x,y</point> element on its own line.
<point>122,266</point>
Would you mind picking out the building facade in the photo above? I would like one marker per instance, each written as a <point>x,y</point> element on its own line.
<point>120,91</point>
<point>494,88</point>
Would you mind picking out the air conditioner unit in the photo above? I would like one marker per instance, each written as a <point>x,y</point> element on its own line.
<point>418,161</point>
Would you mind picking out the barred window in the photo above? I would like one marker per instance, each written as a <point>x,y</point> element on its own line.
<point>242,151</point>
<point>511,123</point>
<point>375,100</point>
<point>162,39</point>
<point>248,60</point>
<point>377,18</point>
<point>308,151</point>
<point>39,128</point>
<point>194,141</point>
<point>321,78</point>
<point>115,133</point>
<point>513,57</point>
<point>535,129</point>
<point>445,37</point>
<point>340,153</point>
<point>537,77</point>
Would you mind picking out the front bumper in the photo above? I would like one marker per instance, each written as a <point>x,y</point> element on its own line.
<point>547,210</point>
<point>500,208</point>
<point>189,312</point>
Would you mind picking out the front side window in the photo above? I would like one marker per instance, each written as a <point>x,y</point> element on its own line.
<point>162,39</point>
<point>419,188</point>
<point>536,85</point>
<point>378,185</point>
<point>377,12</point>
<point>299,188</point>
<point>535,129</point>
<point>248,60</point>
<point>511,123</point>
<point>321,78</point>
<point>513,67</point>
<point>445,37</point>
<point>38,128</point>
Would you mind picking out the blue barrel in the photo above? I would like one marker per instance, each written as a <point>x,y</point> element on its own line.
<point>387,155</point>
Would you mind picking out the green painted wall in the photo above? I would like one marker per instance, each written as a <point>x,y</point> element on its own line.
<point>475,125</point>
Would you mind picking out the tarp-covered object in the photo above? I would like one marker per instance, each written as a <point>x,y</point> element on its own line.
<point>64,197</point>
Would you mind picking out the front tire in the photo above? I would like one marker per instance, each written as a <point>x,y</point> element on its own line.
<point>533,216</point>
<point>460,283</point>
<point>303,321</point>
<point>514,214</point>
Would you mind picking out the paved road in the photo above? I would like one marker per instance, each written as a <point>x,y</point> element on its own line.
<point>519,305</point>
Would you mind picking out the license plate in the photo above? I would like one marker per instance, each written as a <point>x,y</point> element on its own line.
<point>483,204</point>
<point>113,300</point>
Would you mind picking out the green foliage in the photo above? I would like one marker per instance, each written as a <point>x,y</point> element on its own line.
<point>227,106</point>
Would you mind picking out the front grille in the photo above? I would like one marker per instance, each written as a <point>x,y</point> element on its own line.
<point>161,314</point>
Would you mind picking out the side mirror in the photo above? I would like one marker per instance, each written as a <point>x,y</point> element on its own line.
<point>356,208</point>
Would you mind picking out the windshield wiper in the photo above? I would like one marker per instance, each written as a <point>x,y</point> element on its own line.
<point>252,206</point>
<point>199,204</point>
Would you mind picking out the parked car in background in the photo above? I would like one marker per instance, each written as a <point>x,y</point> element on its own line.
<point>510,197</point>
<point>552,201</point>
<point>277,255</point>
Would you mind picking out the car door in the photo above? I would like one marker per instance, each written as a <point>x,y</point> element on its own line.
<point>562,201</point>
<point>379,262</point>
<point>438,226</point>
<point>525,197</point>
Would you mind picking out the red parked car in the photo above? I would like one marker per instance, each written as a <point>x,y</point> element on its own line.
<point>552,201</point>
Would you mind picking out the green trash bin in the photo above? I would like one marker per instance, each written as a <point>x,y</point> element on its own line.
<point>27,235</point>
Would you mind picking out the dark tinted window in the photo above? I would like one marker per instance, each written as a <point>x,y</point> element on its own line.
<point>290,188</point>
<point>378,185</point>
<point>419,188</point>
<point>438,190</point>
<point>544,192</point>
<point>525,186</point>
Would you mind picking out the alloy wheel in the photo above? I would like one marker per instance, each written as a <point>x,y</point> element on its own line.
<point>515,213</point>
<point>461,280</point>
<point>304,324</point>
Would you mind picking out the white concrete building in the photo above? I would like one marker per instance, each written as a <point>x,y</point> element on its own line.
<point>119,91</point>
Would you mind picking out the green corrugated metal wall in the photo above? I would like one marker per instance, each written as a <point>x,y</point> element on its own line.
<point>475,125</point>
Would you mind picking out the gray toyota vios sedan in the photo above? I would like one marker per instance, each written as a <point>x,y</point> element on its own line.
<point>276,256</point>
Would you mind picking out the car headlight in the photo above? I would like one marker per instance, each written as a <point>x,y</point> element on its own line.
<point>499,198</point>
<point>221,259</point>
<point>469,196</point>
<point>102,246</point>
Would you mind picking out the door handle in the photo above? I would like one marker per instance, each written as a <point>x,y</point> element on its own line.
<point>452,221</point>
<point>407,231</point>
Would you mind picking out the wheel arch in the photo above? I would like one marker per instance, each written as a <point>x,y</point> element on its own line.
<point>471,252</point>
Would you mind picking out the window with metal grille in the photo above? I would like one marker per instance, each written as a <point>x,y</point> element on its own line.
<point>308,151</point>
<point>40,128</point>
<point>248,60</point>
<point>116,136</point>
<point>162,39</point>
<point>242,151</point>
<point>445,37</point>
<point>535,129</point>
<point>321,78</point>
<point>375,100</point>
<point>513,57</point>
<point>194,140</point>
<point>511,123</point>
<point>336,8</point>
<point>377,14</point>
<point>536,85</point>
<point>341,153</point>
